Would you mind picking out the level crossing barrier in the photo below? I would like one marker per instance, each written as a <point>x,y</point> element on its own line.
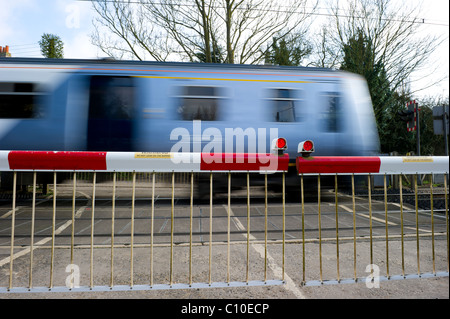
<point>385,167</point>
<point>116,162</point>
<point>306,254</point>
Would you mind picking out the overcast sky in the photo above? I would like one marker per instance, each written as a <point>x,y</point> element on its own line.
<point>22,23</point>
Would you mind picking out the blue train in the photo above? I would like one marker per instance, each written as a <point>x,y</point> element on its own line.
<point>107,105</point>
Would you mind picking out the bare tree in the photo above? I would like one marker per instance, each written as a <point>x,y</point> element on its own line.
<point>180,30</point>
<point>252,24</point>
<point>326,56</point>
<point>391,27</point>
<point>186,25</point>
<point>123,30</point>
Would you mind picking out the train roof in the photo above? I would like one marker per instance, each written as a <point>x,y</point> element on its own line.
<point>112,62</point>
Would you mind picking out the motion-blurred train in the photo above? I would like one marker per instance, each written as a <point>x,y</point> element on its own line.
<point>108,105</point>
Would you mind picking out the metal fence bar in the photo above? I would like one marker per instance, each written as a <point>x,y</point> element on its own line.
<point>133,197</point>
<point>432,224</point>
<point>190,227</point>
<point>72,233</point>
<point>91,264</point>
<point>172,212</point>
<point>417,223</point>
<point>248,229</point>
<point>386,224</point>
<point>446,218</point>
<point>13,225</point>
<point>210,228</point>
<point>320,228</point>
<point>113,215</point>
<point>52,257</point>
<point>401,224</point>
<point>71,278</point>
<point>369,192</point>
<point>228,227</point>
<point>265,227</point>
<point>33,215</point>
<point>152,220</point>
<point>284,226</point>
<point>337,225</point>
<point>303,230</point>
<point>354,226</point>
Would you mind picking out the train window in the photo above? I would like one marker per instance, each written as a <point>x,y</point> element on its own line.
<point>111,97</point>
<point>199,103</point>
<point>331,114</point>
<point>18,100</point>
<point>284,104</point>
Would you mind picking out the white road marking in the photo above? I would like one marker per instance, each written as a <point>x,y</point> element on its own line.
<point>277,270</point>
<point>381,220</point>
<point>42,241</point>
<point>20,207</point>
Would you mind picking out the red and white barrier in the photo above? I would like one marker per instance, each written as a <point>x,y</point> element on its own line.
<point>373,165</point>
<point>200,162</point>
<point>141,162</point>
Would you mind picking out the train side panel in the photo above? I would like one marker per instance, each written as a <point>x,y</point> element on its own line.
<point>31,112</point>
<point>320,114</point>
<point>188,108</point>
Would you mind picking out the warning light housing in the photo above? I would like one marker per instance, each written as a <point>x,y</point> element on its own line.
<point>279,145</point>
<point>306,148</point>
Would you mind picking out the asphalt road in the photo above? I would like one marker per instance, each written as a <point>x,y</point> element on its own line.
<point>243,263</point>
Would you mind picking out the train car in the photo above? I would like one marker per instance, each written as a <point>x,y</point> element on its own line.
<point>107,105</point>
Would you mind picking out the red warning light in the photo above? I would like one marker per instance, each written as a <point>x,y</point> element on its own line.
<point>308,146</point>
<point>281,143</point>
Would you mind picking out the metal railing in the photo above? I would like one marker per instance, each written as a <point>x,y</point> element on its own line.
<point>425,229</point>
<point>133,234</point>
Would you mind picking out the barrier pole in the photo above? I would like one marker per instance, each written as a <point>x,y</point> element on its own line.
<point>401,223</point>
<point>152,217</point>
<point>72,237</point>
<point>265,227</point>
<point>33,214</point>
<point>228,227</point>
<point>113,213</point>
<point>337,225</point>
<point>354,226</point>
<point>446,216</point>
<point>191,211</point>
<point>248,227</point>
<point>13,221</point>
<point>320,228</point>
<point>370,221</point>
<point>171,230</point>
<point>432,224</point>
<point>52,255</point>
<point>303,231</point>
<point>386,222</point>
<point>133,197</point>
<point>284,227</point>
<point>91,267</point>
<point>210,226</point>
<point>417,223</point>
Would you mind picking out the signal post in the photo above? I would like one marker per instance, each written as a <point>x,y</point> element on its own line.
<point>412,119</point>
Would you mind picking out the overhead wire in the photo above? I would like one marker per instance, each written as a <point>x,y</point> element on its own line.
<point>400,19</point>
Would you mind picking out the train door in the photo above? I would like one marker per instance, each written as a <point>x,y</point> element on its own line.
<point>111,110</point>
<point>331,124</point>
